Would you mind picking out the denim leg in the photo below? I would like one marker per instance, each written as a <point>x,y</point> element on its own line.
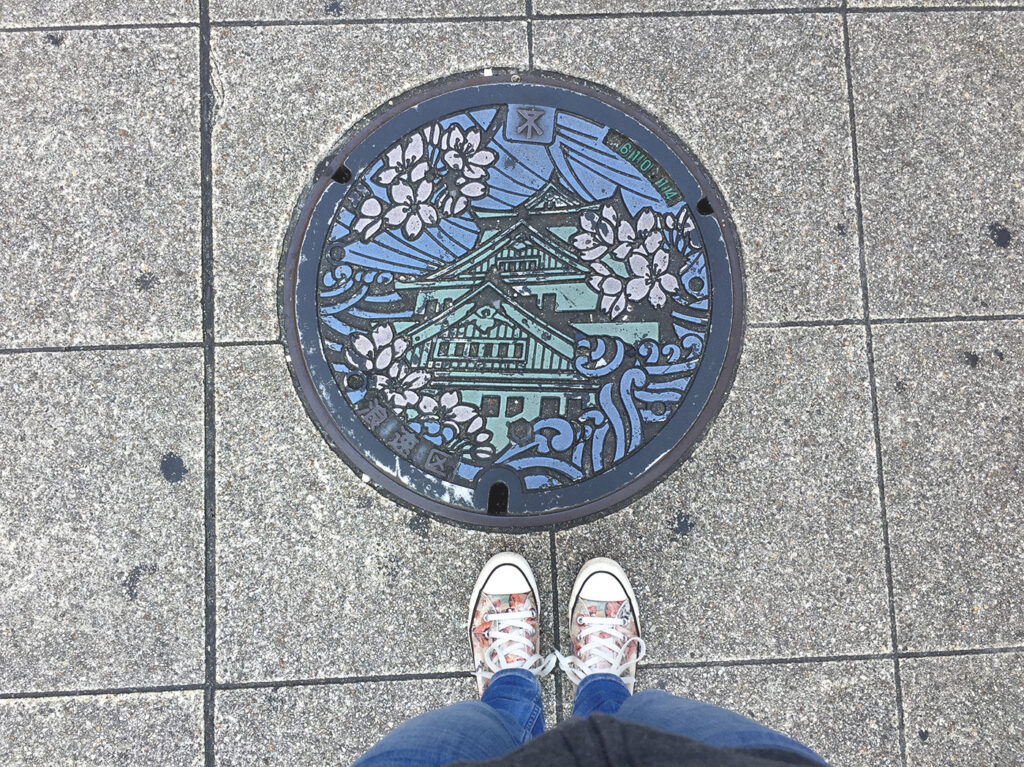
<point>508,714</point>
<point>706,723</point>
<point>601,693</point>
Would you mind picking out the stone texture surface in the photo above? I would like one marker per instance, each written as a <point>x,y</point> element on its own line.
<point>153,728</point>
<point>964,710</point>
<point>351,9</point>
<point>940,130</point>
<point>101,510</point>
<point>37,13</point>
<point>768,541</point>
<point>317,574</point>
<point>762,102</point>
<point>285,97</point>
<point>99,187</point>
<point>844,711</point>
<point>952,428</point>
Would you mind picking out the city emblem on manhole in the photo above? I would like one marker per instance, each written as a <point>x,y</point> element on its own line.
<point>512,300</point>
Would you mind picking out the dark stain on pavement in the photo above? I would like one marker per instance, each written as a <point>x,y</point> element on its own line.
<point>131,582</point>
<point>172,467</point>
<point>999,235</point>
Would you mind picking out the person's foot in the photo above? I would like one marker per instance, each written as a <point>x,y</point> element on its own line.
<point>603,624</point>
<point>503,620</point>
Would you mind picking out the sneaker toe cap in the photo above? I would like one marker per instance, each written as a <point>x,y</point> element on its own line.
<point>507,579</point>
<point>603,587</point>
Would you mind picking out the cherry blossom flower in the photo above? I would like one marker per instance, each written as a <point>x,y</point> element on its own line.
<point>370,219</point>
<point>379,350</point>
<point>412,209</point>
<point>642,234</point>
<point>454,424</point>
<point>447,408</point>
<point>462,152</point>
<point>598,235</point>
<point>651,279</point>
<point>404,160</point>
<point>457,197</point>
<point>611,288</point>
<point>402,385</point>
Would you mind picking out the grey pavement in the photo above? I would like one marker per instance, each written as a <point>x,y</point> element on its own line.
<point>189,575</point>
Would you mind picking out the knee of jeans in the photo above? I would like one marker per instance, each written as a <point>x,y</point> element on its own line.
<point>465,730</point>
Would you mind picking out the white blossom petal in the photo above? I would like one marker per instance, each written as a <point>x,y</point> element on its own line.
<point>396,215</point>
<point>382,335</point>
<point>428,215</point>
<point>639,266</point>
<point>473,190</point>
<point>462,413</point>
<point>449,400</point>
<point>412,227</point>
<point>660,261</point>
<point>371,207</point>
<point>414,149</point>
<point>657,296</point>
<point>646,221</point>
<point>669,282</point>
<point>637,289</point>
<point>423,191</point>
<point>483,158</point>
<point>400,345</point>
<point>394,156</point>
<point>364,346</point>
<point>402,193</point>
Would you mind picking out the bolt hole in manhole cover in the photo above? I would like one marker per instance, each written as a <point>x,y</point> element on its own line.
<point>512,300</point>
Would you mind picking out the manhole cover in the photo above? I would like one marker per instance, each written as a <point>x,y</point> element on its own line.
<point>512,300</point>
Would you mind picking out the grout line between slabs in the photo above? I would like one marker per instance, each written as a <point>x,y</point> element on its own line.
<point>325,22</point>
<point>827,323</point>
<point>869,348</point>
<point>529,34</point>
<point>556,634</point>
<point>206,109</point>
<point>439,675</point>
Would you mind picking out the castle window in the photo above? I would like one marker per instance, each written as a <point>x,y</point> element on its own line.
<point>513,406</point>
<point>548,407</point>
<point>490,405</point>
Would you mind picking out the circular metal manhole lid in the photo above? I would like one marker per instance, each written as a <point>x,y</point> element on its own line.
<point>512,300</point>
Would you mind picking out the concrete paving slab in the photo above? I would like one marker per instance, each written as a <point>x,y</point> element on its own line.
<point>768,541</point>
<point>940,134</point>
<point>964,710</point>
<point>99,187</point>
<point>762,102</point>
<point>39,13</point>
<point>303,10</point>
<point>101,508</point>
<point>952,429</point>
<point>154,728</point>
<point>318,575</point>
<point>332,724</point>
<point>845,711</point>
<point>285,97</point>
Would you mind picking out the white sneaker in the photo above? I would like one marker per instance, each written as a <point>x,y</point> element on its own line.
<point>503,620</point>
<point>603,624</point>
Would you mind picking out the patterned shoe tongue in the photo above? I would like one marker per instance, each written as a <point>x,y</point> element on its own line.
<point>600,609</point>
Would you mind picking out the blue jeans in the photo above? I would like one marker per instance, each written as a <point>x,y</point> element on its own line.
<point>510,713</point>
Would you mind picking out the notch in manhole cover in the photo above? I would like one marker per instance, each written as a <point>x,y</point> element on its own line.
<point>512,300</point>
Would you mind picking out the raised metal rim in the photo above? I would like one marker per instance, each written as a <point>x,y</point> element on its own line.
<point>315,408</point>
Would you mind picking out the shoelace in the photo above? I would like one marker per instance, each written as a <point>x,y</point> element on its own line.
<point>603,648</point>
<point>512,637</point>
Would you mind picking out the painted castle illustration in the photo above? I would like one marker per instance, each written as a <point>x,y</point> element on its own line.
<point>500,325</point>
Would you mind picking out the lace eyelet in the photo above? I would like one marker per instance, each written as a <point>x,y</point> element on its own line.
<point>579,619</point>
